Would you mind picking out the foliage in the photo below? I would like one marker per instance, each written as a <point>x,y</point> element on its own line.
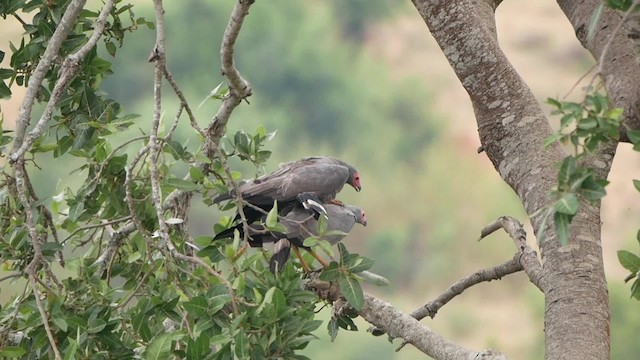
<point>583,126</point>
<point>123,292</point>
<point>631,262</point>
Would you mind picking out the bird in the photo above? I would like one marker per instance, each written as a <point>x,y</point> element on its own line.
<point>306,201</point>
<point>322,176</point>
<point>300,224</point>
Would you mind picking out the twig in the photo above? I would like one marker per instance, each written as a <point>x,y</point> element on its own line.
<point>43,314</point>
<point>10,276</point>
<point>183,100</point>
<point>485,275</point>
<point>93,226</point>
<point>524,259</point>
<point>234,188</point>
<point>213,132</point>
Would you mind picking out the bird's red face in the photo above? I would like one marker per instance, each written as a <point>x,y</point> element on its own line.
<point>355,182</point>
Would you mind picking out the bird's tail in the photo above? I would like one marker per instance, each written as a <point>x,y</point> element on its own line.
<point>222,197</point>
<point>281,251</point>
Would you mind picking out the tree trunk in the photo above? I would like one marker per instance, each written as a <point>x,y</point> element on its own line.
<point>512,129</point>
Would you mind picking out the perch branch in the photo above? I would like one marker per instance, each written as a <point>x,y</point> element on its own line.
<point>400,325</point>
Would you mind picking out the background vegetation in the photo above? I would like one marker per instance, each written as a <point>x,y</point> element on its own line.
<point>322,81</point>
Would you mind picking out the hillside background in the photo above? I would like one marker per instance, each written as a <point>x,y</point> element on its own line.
<point>364,81</point>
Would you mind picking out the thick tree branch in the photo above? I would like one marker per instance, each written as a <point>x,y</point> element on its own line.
<point>512,129</point>
<point>400,325</point>
<point>618,64</point>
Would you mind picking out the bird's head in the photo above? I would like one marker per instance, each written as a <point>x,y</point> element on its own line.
<point>360,217</point>
<point>354,180</point>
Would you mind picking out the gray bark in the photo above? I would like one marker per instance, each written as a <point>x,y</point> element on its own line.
<point>512,129</point>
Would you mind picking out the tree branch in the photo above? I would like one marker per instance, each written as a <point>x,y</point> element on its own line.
<point>68,71</point>
<point>238,86</point>
<point>400,325</point>
<point>614,50</point>
<point>67,22</point>
<point>158,56</point>
<point>527,257</point>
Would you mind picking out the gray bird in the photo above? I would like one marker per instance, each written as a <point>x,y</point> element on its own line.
<point>301,225</point>
<point>321,176</point>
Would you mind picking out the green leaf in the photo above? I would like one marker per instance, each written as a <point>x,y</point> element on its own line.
<point>322,225</point>
<point>634,136</point>
<point>331,272</point>
<point>629,261</point>
<point>70,350</point>
<point>587,123</point>
<point>562,227</point>
<point>552,139</point>
<point>181,184</point>
<point>96,325</point>
<point>196,174</point>
<point>111,48</point>
<point>198,348</point>
<point>272,216</point>
<point>635,289</point>
<point>311,241</point>
<point>13,352</point>
<point>60,323</point>
<point>344,253</point>
<point>197,306</point>
<point>361,264</point>
<point>567,169</point>
<point>568,204</point>
<point>242,345</point>
<point>332,329</point>
<point>161,345</point>
<point>636,184</point>
<point>352,291</point>
<point>593,190</point>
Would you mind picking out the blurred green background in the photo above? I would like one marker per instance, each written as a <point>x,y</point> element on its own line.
<point>365,82</point>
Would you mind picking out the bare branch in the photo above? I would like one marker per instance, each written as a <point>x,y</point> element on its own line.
<point>494,273</point>
<point>528,258</point>
<point>183,100</point>
<point>239,88</point>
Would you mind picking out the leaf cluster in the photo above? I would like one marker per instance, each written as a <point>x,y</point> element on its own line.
<point>345,273</point>
<point>583,126</point>
<point>631,262</point>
